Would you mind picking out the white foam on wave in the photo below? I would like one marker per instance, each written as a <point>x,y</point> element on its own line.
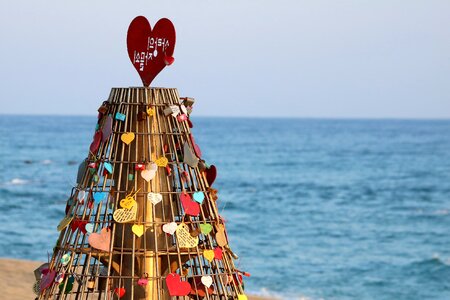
<point>46,162</point>
<point>264,292</point>
<point>18,181</point>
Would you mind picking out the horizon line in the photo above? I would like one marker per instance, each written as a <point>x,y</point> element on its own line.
<point>255,117</point>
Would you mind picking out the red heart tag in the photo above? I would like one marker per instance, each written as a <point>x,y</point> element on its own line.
<point>96,142</point>
<point>190,207</point>
<point>47,279</point>
<point>218,253</point>
<point>211,174</point>
<point>80,224</point>
<point>119,292</point>
<point>150,50</point>
<point>177,287</point>
<point>197,150</point>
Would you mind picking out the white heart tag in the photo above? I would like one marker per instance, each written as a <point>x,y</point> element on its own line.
<point>149,172</point>
<point>170,228</point>
<point>154,198</point>
<point>81,195</point>
<point>207,280</point>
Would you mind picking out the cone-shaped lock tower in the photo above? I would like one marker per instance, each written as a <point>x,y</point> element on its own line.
<point>142,222</point>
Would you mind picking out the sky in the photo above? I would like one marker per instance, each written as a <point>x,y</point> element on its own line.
<point>313,59</point>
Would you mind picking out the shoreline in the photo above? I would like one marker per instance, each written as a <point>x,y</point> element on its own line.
<point>17,278</point>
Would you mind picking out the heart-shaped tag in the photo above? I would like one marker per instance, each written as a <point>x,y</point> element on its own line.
<point>100,241</point>
<point>59,278</point>
<point>154,198</point>
<point>185,240</point>
<point>150,50</point>
<point>218,254</point>
<point>150,112</point>
<point>211,174</point>
<point>108,167</point>
<point>173,110</point>
<point>224,278</point>
<point>177,287</point>
<point>197,150</point>
<point>189,156</point>
<point>47,279</point>
<point>162,161</point>
<point>128,202</point>
<point>79,224</point>
<point>69,285</point>
<point>142,281</point>
<point>123,215</point>
<point>190,207</point>
<point>198,197</point>
<point>120,292</point>
<point>127,137</point>
<point>99,197</point>
<point>209,255</point>
<point>107,128</point>
<point>149,172</point>
<point>138,230</point>
<point>81,195</point>
<point>221,238</point>
<point>89,227</point>
<point>170,228</point>
<point>64,223</point>
<point>205,228</point>
<point>207,280</point>
<point>96,142</point>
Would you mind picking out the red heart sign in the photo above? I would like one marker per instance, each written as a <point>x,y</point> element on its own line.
<point>177,287</point>
<point>150,50</point>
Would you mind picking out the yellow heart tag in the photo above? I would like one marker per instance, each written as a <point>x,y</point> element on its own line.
<point>123,215</point>
<point>150,111</point>
<point>242,297</point>
<point>162,161</point>
<point>127,137</point>
<point>138,230</point>
<point>209,255</point>
<point>128,202</point>
<point>64,223</point>
<point>185,240</point>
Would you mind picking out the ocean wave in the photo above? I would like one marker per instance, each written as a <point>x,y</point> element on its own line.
<point>46,162</point>
<point>266,293</point>
<point>17,181</point>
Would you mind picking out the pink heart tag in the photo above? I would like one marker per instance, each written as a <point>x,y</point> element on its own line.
<point>101,241</point>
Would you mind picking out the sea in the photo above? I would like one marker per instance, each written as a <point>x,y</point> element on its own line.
<point>315,208</point>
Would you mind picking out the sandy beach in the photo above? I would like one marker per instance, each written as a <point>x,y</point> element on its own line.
<point>16,279</point>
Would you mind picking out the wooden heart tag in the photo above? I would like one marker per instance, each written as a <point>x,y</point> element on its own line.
<point>150,50</point>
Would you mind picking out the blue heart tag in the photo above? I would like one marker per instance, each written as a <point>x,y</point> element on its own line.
<point>108,167</point>
<point>89,227</point>
<point>198,197</point>
<point>119,116</point>
<point>99,197</point>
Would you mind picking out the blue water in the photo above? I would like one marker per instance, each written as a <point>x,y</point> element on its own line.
<point>316,209</point>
